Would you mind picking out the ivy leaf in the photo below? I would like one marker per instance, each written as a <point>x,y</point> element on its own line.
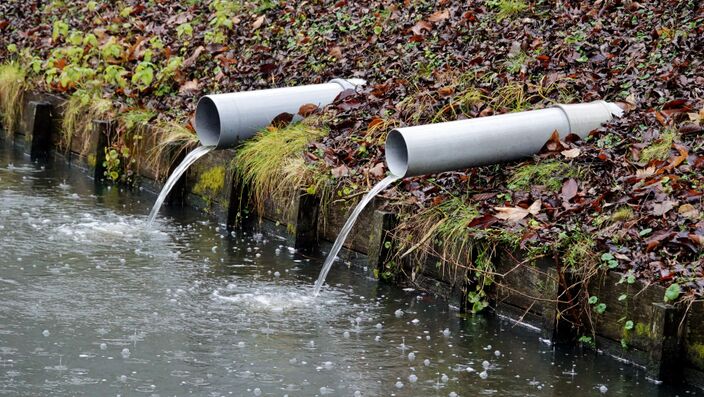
<point>629,325</point>
<point>593,300</point>
<point>672,292</point>
<point>600,308</point>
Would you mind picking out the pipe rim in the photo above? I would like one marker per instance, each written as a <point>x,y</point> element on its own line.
<point>396,152</point>
<point>208,126</point>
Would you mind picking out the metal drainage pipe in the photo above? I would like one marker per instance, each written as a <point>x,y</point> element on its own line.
<point>223,120</point>
<point>432,148</point>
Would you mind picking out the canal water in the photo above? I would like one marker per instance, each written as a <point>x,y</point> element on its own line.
<point>93,303</point>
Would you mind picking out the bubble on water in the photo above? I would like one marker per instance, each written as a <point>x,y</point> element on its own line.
<point>398,313</point>
<point>125,353</point>
<point>469,369</point>
<point>326,390</point>
<point>412,378</point>
<point>411,356</point>
<point>485,364</point>
<point>357,393</point>
<point>311,343</point>
<point>257,255</point>
<point>240,344</point>
<point>277,274</point>
<point>293,360</point>
<point>327,365</point>
<point>497,353</point>
<point>379,326</point>
<point>452,394</point>
<point>399,385</point>
<point>444,378</point>
<point>257,391</point>
<point>377,338</point>
<point>346,334</point>
<point>103,346</point>
<point>446,332</point>
<point>123,378</point>
<point>415,321</point>
<point>483,374</point>
<point>426,362</point>
<point>427,337</point>
<point>603,389</point>
<point>215,248</point>
<point>46,332</point>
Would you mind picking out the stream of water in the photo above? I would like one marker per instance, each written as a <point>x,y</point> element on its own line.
<point>94,303</point>
<point>347,227</point>
<point>188,160</point>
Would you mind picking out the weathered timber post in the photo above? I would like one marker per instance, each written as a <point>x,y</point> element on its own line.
<point>306,218</point>
<point>39,131</point>
<point>100,136</point>
<point>666,353</point>
<point>380,239</point>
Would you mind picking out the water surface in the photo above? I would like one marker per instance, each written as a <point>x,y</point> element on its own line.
<point>96,304</point>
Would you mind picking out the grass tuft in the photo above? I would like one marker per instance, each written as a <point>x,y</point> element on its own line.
<point>548,173</point>
<point>508,8</point>
<point>82,107</point>
<point>170,135</point>
<point>12,86</point>
<point>624,213</point>
<point>272,166</point>
<point>659,150</point>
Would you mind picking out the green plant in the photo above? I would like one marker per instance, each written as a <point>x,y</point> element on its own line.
<point>143,75</point>
<point>115,75</point>
<point>115,163</point>
<point>12,87</point>
<point>184,30</point>
<point>59,29</point>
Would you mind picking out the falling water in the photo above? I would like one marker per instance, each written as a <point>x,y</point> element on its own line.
<point>348,227</point>
<point>190,158</point>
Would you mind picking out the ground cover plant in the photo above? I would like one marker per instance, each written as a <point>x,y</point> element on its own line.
<point>627,198</point>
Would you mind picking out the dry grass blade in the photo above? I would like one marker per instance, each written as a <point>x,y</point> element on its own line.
<point>12,87</point>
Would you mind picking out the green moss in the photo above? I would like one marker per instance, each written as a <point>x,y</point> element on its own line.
<point>210,183</point>
<point>659,150</point>
<point>549,173</point>
<point>643,330</point>
<point>695,352</point>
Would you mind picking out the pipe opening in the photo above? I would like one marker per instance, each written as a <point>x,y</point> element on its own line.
<point>396,154</point>
<point>207,122</point>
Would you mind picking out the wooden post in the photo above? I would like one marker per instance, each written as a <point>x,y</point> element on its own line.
<point>236,202</point>
<point>306,228</point>
<point>99,138</point>
<point>174,157</point>
<point>666,353</point>
<point>38,132</point>
<point>380,238</point>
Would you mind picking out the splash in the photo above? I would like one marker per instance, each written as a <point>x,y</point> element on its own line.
<point>383,184</point>
<point>190,158</point>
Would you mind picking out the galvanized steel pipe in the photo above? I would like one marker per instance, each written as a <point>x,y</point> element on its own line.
<point>432,148</point>
<point>223,120</point>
